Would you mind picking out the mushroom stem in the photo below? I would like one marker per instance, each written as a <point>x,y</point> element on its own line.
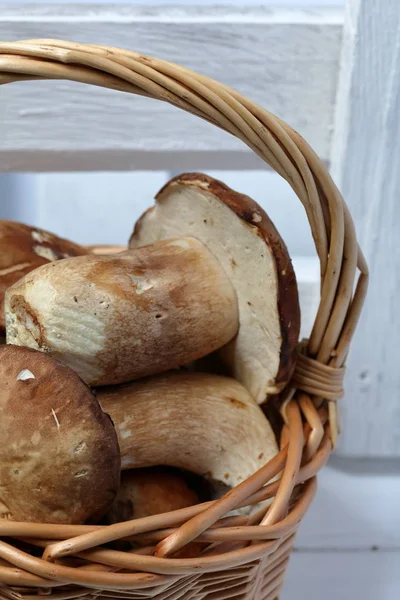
<point>204,423</point>
<point>24,248</point>
<point>121,317</point>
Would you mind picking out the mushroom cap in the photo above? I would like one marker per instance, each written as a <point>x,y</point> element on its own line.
<point>23,249</point>
<point>204,423</point>
<point>117,318</point>
<point>146,492</point>
<point>244,240</point>
<point>59,455</point>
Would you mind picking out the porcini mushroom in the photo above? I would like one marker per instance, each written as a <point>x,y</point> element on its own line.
<point>244,240</point>
<point>146,492</point>
<point>121,317</point>
<point>59,455</point>
<point>201,422</point>
<point>24,248</point>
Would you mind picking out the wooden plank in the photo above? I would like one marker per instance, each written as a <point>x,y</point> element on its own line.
<point>348,545</point>
<point>365,159</point>
<point>356,508</point>
<point>287,60</point>
<point>16,194</point>
<point>342,576</point>
<point>95,208</point>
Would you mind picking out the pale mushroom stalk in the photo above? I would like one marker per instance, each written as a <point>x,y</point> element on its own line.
<point>121,317</point>
<point>201,422</point>
<point>23,249</point>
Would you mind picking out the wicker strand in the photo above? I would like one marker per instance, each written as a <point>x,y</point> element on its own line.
<point>318,379</point>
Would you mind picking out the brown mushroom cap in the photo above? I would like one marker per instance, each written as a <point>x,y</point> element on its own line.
<point>23,249</point>
<point>117,318</point>
<point>59,455</point>
<point>204,423</point>
<point>244,240</point>
<point>146,492</point>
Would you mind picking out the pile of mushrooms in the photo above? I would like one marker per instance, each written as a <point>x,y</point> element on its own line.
<point>144,360</point>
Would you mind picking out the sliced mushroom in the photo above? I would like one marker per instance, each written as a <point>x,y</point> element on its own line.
<point>244,240</point>
<point>59,455</point>
<point>24,248</point>
<point>146,492</point>
<point>204,423</point>
<point>121,317</point>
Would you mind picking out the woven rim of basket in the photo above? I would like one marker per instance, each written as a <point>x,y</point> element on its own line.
<point>309,413</point>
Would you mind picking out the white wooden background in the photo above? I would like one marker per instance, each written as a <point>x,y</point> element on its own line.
<point>365,163</point>
<point>288,60</point>
<point>285,59</point>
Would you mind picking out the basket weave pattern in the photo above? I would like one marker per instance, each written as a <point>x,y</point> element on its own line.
<point>241,557</point>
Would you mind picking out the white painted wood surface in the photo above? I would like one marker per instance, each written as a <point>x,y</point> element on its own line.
<point>365,164</point>
<point>348,546</point>
<point>287,60</point>
<point>342,576</point>
<point>96,208</point>
<point>356,508</point>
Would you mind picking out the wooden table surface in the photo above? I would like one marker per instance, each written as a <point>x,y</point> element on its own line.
<point>348,546</point>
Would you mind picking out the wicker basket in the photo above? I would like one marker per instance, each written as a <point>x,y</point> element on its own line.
<point>242,557</point>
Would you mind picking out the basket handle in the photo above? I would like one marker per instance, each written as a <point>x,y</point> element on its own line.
<point>272,140</point>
